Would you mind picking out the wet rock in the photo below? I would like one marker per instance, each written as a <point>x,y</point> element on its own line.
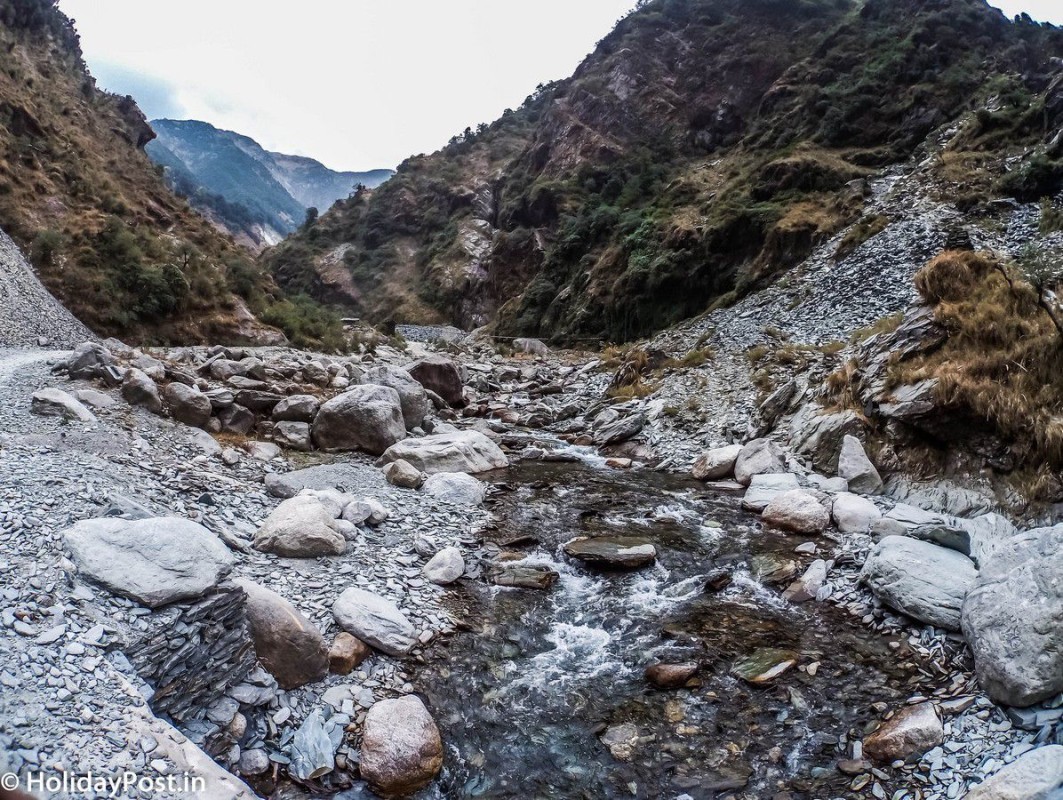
<point>522,576</point>
<point>455,488</point>
<point>412,397</point>
<point>289,646</point>
<point>910,732</point>
<point>758,457</point>
<point>301,527</point>
<point>773,568</point>
<point>401,747</point>
<point>440,375</point>
<point>764,488</point>
<point>153,561</point>
<point>808,585</point>
<point>313,753</point>
<point>466,451</point>
<point>403,473</point>
<point>796,511</point>
<point>621,741</point>
<point>1035,775</point>
<point>346,653</point>
<point>445,567</point>
<point>57,403</point>
<point>919,579</point>
<point>296,408</point>
<point>671,676</point>
<point>718,580</point>
<point>856,467</point>
<point>854,514</point>
<point>140,390</point>
<point>765,665</point>
<point>375,620</point>
<point>716,464</point>
<point>1013,619</point>
<point>187,405</point>
<point>612,552</point>
<point>365,417</point>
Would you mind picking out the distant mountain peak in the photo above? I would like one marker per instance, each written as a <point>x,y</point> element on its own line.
<point>258,195</point>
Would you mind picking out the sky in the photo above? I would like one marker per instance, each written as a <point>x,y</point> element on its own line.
<point>356,84</point>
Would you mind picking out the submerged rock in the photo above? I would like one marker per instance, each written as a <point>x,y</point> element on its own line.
<point>910,732</point>
<point>401,747</point>
<point>522,576</point>
<point>765,665</point>
<point>671,676</point>
<point>612,552</point>
<point>621,741</point>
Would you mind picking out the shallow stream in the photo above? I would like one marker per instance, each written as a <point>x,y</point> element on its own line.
<point>523,697</point>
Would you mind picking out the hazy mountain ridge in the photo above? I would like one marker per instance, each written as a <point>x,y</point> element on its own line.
<point>700,152</point>
<point>258,195</point>
<point>77,193</point>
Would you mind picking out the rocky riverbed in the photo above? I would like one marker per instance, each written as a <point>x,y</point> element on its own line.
<point>568,622</point>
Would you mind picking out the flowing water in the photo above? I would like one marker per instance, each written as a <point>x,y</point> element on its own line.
<point>524,696</point>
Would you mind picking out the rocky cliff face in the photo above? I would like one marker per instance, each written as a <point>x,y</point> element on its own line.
<point>78,194</point>
<point>703,151</point>
<point>258,196</point>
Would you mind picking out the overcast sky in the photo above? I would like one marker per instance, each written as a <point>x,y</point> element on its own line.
<point>357,84</point>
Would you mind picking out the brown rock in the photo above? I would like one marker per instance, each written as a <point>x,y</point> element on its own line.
<point>347,653</point>
<point>910,732</point>
<point>670,676</point>
<point>290,648</point>
<point>441,376</point>
<point>401,747</point>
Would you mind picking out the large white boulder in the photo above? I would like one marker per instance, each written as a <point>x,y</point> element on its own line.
<point>401,747</point>
<point>854,514</point>
<point>758,457</point>
<point>856,467</point>
<point>456,488</point>
<point>717,463</point>
<point>302,527</point>
<point>154,561</point>
<point>365,417</point>
<point>465,451</point>
<point>796,511</point>
<point>1013,618</point>
<point>920,579</point>
<point>375,620</point>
